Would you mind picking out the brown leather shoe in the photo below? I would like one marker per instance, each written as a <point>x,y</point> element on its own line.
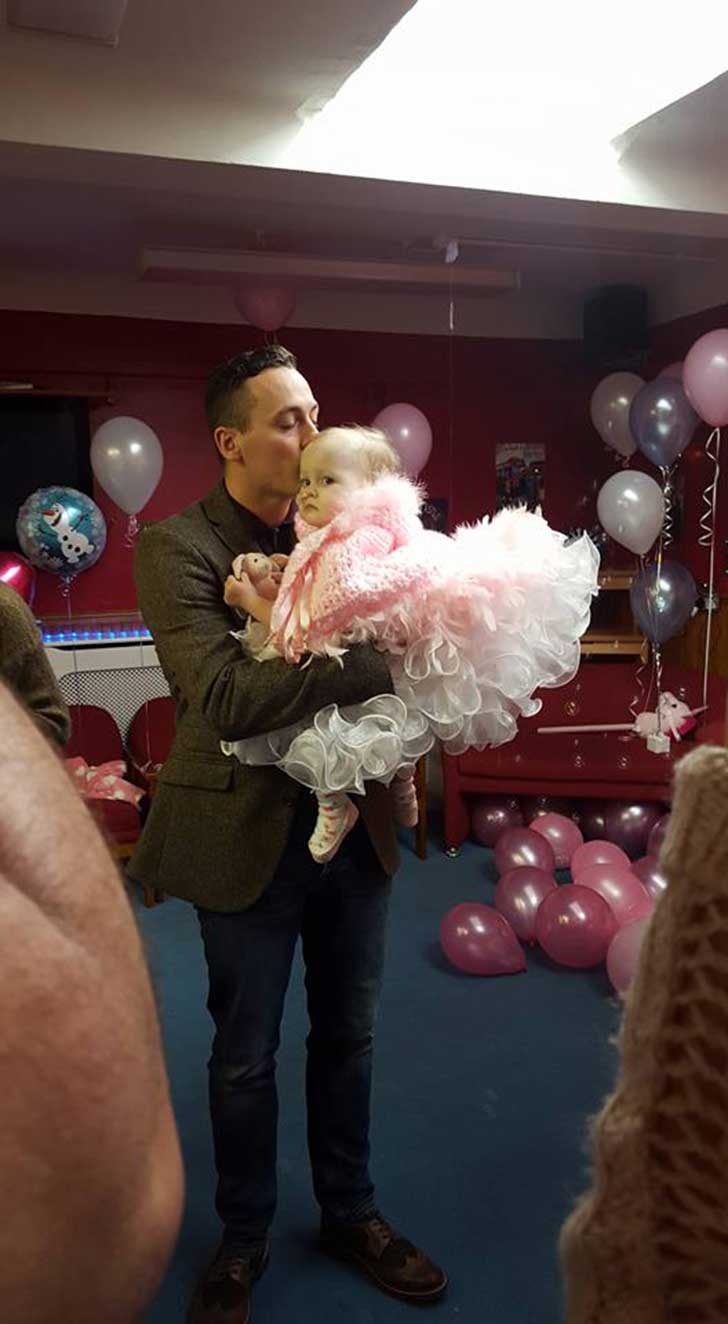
<point>394,1264</point>
<point>222,1295</point>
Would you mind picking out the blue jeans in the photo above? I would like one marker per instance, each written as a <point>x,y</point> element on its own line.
<point>340,911</point>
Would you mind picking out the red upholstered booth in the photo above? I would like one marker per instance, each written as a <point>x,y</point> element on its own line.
<point>150,739</point>
<point>96,738</point>
<point>591,766</point>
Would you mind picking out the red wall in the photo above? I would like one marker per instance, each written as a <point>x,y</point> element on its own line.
<point>475,393</point>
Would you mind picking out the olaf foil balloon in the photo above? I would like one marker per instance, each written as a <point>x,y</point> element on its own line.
<point>61,530</point>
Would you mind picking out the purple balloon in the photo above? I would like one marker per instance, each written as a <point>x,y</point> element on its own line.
<point>622,891</point>
<point>575,926</point>
<point>629,826</point>
<point>673,370</point>
<point>662,421</point>
<point>663,604</point>
<point>535,806</point>
<point>410,434</point>
<point>492,816</point>
<point>520,847</point>
<point>650,875</point>
<point>518,896</point>
<point>597,852</point>
<point>657,836</point>
<point>562,834</point>
<point>590,819</point>
<point>624,952</point>
<point>705,375</point>
<point>479,941</point>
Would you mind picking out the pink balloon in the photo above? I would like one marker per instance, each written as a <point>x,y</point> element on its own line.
<point>597,852</point>
<point>621,889</point>
<point>19,574</point>
<point>624,952</point>
<point>673,370</point>
<point>266,306</point>
<point>705,377</point>
<point>657,836</point>
<point>650,875</point>
<point>575,926</point>
<point>518,896</point>
<point>562,834</point>
<point>476,939</point>
<point>521,846</point>
<point>410,434</point>
<point>492,816</point>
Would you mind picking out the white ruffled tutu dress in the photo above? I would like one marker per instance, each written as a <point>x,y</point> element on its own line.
<point>472,624</point>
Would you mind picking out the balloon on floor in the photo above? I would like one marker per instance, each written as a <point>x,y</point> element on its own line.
<point>479,941</point>
<point>492,815</point>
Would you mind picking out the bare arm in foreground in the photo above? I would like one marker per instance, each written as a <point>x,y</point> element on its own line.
<point>91,1180</point>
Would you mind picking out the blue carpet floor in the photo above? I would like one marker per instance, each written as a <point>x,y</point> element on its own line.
<point>482,1090</point>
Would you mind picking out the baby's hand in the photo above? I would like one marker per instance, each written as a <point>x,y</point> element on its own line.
<point>240,592</point>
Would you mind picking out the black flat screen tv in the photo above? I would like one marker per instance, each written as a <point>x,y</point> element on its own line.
<point>44,442</point>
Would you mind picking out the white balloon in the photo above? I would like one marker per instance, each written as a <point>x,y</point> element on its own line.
<point>610,406</point>
<point>631,509</point>
<point>127,461</point>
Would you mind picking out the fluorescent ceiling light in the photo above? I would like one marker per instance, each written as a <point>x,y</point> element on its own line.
<point>466,92</point>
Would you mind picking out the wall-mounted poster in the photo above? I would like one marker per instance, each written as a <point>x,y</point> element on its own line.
<point>519,474</point>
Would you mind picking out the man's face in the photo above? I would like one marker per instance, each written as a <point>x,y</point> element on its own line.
<point>330,474</point>
<point>281,417</point>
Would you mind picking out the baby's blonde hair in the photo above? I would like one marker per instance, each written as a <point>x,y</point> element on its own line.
<point>373,447</point>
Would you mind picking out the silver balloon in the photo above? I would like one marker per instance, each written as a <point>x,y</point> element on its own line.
<point>631,509</point>
<point>663,602</point>
<point>610,406</point>
<point>127,461</point>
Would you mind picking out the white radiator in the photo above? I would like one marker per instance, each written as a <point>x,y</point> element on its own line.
<point>119,678</point>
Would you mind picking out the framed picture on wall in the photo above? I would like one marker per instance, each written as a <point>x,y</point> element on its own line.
<point>519,474</point>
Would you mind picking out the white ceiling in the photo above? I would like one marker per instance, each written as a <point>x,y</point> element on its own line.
<point>164,142</point>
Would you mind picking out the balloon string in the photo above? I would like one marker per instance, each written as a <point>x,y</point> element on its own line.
<point>667,492</point>
<point>638,700</point>
<point>66,591</point>
<point>658,678</point>
<point>132,530</point>
<point>707,539</point>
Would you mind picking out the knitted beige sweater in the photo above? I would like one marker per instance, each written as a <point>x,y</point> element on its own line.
<point>648,1244</point>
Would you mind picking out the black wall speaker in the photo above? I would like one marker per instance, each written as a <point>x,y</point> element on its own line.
<point>615,328</point>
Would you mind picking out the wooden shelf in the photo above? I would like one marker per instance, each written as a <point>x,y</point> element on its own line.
<point>615,581</point>
<point>606,643</point>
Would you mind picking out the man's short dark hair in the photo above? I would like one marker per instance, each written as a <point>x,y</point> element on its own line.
<point>224,401</point>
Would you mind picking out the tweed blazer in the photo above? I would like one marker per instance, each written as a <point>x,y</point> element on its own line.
<point>26,669</point>
<point>216,828</point>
